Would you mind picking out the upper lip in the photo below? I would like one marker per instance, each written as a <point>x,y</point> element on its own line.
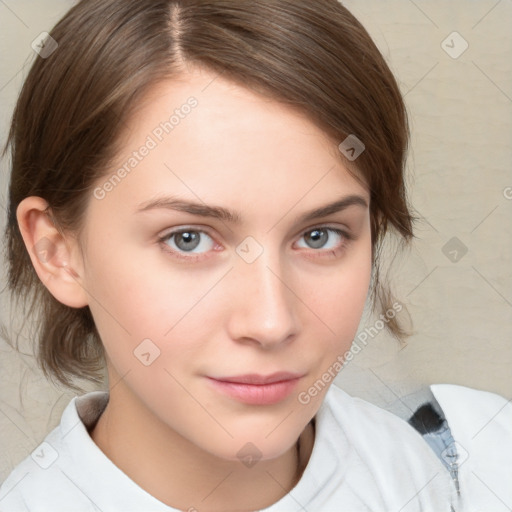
<point>256,379</point>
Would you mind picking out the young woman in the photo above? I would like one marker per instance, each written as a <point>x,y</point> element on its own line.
<point>199,192</point>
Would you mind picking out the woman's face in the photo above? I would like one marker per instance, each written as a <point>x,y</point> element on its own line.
<point>204,263</point>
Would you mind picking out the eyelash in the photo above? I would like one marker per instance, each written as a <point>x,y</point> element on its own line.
<point>329,253</point>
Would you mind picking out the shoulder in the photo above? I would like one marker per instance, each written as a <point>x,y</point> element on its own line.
<point>68,471</point>
<point>388,453</point>
<point>30,487</point>
<point>481,426</point>
<point>351,412</point>
<point>32,484</point>
<point>468,409</point>
<point>375,430</point>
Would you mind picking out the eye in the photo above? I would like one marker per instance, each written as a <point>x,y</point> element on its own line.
<point>192,244</point>
<point>188,241</point>
<point>326,238</point>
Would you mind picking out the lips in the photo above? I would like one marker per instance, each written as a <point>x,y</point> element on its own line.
<point>257,389</point>
<point>256,379</point>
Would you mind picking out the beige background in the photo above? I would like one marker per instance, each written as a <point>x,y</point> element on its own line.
<point>460,182</point>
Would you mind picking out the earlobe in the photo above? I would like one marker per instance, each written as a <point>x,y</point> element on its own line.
<point>53,255</point>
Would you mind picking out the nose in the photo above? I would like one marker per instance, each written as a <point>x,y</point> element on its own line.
<point>263,306</point>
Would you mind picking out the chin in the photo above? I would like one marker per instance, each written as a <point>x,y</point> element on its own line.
<point>249,449</point>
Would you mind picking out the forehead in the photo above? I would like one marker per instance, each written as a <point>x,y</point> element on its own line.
<point>221,106</point>
<point>205,137</point>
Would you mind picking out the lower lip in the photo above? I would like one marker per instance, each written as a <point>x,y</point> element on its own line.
<point>265,394</point>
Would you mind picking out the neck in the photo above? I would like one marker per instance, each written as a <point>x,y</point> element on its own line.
<point>180,474</point>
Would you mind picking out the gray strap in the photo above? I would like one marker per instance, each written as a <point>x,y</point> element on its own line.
<point>429,420</point>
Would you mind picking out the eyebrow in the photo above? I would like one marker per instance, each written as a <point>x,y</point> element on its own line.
<point>234,217</point>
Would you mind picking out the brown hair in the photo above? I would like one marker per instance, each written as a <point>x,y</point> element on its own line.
<point>311,55</point>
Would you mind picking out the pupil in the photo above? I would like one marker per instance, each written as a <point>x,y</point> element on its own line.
<point>318,238</point>
<point>189,240</point>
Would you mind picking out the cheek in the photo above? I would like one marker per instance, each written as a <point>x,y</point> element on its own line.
<point>133,301</point>
<point>340,309</point>
<point>135,297</point>
<point>340,297</point>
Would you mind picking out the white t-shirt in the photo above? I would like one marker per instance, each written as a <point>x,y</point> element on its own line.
<point>481,425</point>
<point>364,459</point>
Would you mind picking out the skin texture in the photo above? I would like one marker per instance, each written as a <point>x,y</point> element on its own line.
<point>295,308</point>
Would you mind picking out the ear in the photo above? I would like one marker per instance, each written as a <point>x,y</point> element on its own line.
<point>55,257</point>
